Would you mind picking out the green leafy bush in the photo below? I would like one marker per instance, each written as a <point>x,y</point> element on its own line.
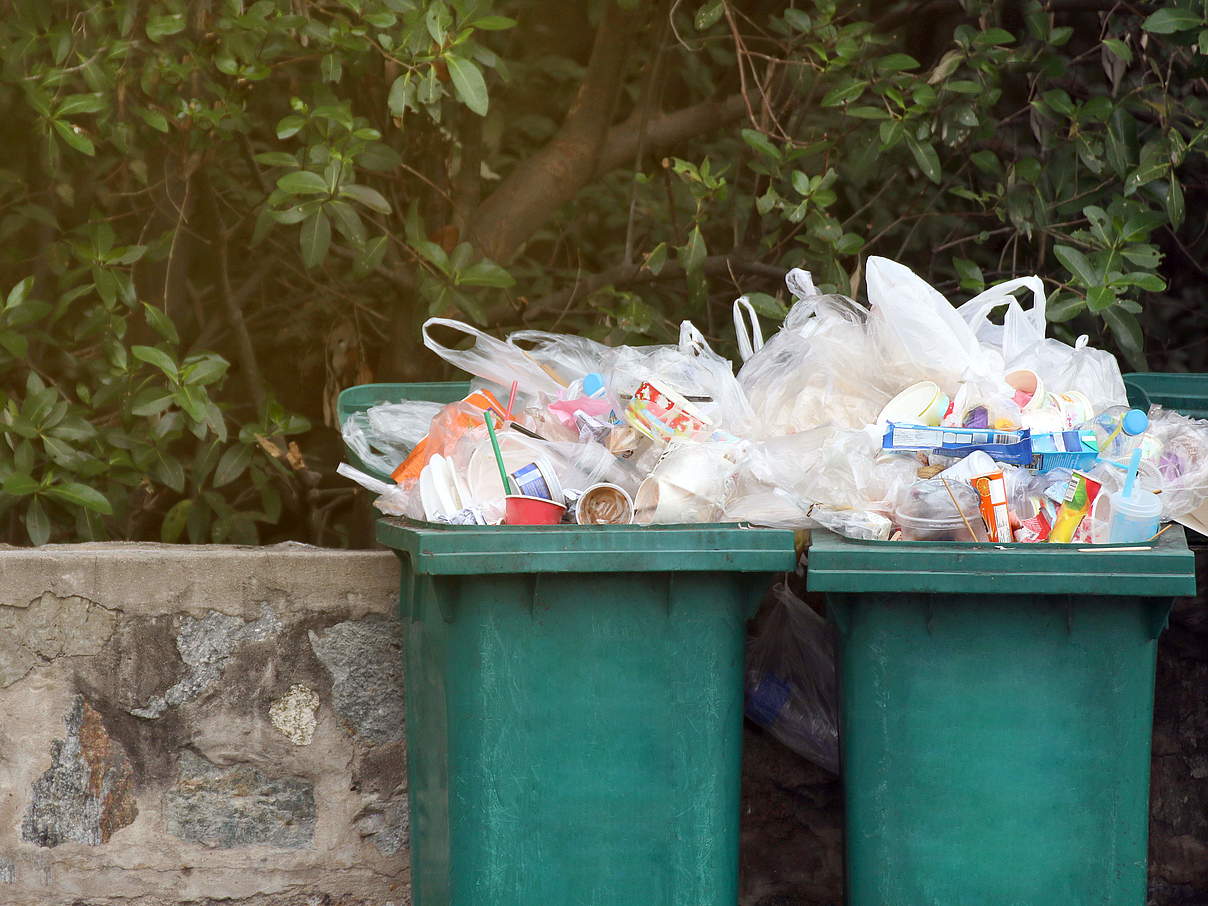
<point>292,186</point>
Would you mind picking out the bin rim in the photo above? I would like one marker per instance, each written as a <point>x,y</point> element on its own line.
<point>436,549</point>
<point>1163,568</point>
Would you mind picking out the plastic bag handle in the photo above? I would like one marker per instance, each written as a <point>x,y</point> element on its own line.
<point>443,351</point>
<point>750,341</point>
<point>691,340</point>
<point>800,283</point>
<point>986,301</point>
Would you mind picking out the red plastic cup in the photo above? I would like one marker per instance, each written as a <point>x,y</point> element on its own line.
<point>522,510</point>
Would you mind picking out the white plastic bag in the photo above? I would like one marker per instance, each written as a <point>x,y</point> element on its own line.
<point>493,359</point>
<point>1020,329</point>
<point>566,356</point>
<point>919,334</point>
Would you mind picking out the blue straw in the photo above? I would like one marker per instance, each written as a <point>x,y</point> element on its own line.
<point>1133,465</point>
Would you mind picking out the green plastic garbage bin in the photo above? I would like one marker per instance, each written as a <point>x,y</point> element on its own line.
<point>574,709</point>
<point>1184,393</point>
<point>997,705</point>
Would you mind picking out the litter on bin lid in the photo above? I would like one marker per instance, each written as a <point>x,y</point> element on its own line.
<point>904,418</point>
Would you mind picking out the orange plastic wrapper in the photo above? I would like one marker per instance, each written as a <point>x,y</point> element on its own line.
<point>447,428</point>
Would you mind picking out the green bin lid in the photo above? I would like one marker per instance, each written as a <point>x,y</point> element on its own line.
<point>1166,569</point>
<point>1186,394</point>
<point>462,550</point>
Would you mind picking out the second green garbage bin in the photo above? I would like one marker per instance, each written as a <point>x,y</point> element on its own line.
<point>997,705</point>
<point>574,709</point>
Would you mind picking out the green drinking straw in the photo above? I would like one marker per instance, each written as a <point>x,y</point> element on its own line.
<point>503,472</point>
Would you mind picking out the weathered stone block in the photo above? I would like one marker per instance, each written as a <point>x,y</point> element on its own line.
<point>224,806</point>
<point>87,794</point>
<point>364,658</point>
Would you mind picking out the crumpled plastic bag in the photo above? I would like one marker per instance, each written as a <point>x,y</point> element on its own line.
<point>1182,461</point>
<point>791,689</point>
<point>493,359</point>
<point>565,356</point>
<point>918,333</point>
<point>816,370</point>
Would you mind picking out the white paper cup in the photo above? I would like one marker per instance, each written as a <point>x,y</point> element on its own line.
<point>922,403</point>
<point>604,504</point>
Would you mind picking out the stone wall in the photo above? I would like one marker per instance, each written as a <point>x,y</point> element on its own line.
<point>196,725</point>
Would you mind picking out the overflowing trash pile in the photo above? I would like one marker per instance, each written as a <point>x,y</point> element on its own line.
<point>903,419</point>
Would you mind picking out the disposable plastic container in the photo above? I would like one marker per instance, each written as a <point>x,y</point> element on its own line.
<point>997,705</point>
<point>929,512</point>
<point>1135,518</point>
<point>574,709</point>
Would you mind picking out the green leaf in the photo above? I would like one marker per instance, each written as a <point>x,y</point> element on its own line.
<point>1174,202</point>
<point>1058,101</point>
<point>397,99</point>
<point>486,273</point>
<point>204,370</point>
<point>1062,308</point>
<point>233,463</point>
<point>694,253</point>
<point>290,126</point>
<point>278,159</point>
<point>169,471</point>
<point>161,323</point>
<point>347,221</point>
<point>18,293</point>
<point>925,157</point>
<point>1168,21</point>
<point>656,259</point>
<point>81,495</point>
<point>759,142</point>
<point>848,90</point>
<point>1119,49</point>
<point>16,344</point>
<point>868,113</point>
<point>1077,264</point>
<point>494,23</point>
<point>37,525</point>
<point>947,65</point>
<point>80,103</point>
<point>303,182</point>
<point>1150,283</point>
<point>331,68</point>
<point>1099,298</point>
<point>1127,331</point>
<point>315,239</point>
<point>897,62</point>
<point>173,525</point>
<point>468,82</point>
<point>75,137</point>
<point>160,27</point>
<point>798,19</point>
<point>19,484</point>
<point>153,355</point>
<point>370,198</point>
<point>149,402</point>
<point>995,36</point>
<point>708,14</point>
<point>969,274</point>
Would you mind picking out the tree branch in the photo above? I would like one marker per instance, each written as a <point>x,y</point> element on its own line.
<point>539,185</point>
<point>666,131</point>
